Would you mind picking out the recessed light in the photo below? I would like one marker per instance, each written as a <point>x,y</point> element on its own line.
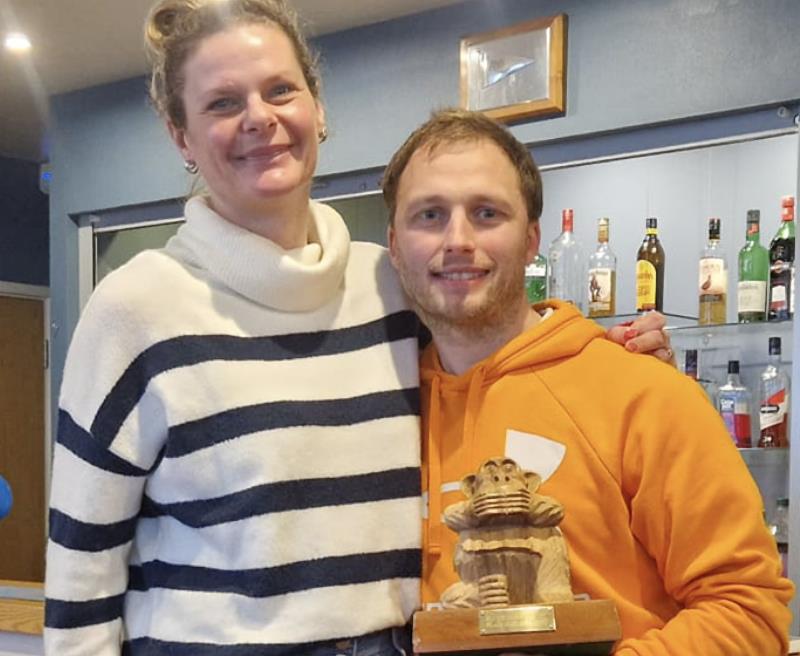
<point>17,42</point>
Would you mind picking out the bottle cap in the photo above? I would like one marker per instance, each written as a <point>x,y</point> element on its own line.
<point>753,216</point>
<point>602,229</point>
<point>651,222</point>
<point>567,216</point>
<point>774,345</point>
<point>733,366</point>
<point>783,502</point>
<point>787,208</point>
<point>713,228</point>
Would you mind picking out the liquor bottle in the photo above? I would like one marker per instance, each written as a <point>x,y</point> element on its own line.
<point>781,265</point>
<point>536,279</point>
<point>567,265</point>
<point>691,370</point>
<point>779,527</point>
<point>602,275</point>
<point>753,274</point>
<point>650,271</point>
<point>774,400</point>
<point>690,363</point>
<point>713,279</point>
<point>733,402</point>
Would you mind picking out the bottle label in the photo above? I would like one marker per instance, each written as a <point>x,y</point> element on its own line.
<point>773,409</point>
<point>752,296</point>
<point>600,289</point>
<point>781,284</point>
<point>535,271</point>
<point>736,415</point>
<point>713,282</point>
<point>645,286</point>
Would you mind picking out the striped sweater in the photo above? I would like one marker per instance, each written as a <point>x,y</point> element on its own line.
<point>237,464</point>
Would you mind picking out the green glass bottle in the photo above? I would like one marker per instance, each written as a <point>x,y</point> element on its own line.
<point>781,269</point>
<point>536,279</point>
<point>751,290</point>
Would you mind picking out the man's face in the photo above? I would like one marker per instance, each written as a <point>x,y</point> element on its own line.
<point>461,236</point>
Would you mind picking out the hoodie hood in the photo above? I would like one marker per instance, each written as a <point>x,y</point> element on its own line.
<point>562,334</point>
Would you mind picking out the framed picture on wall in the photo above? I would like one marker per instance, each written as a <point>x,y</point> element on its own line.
<point>516,72</point>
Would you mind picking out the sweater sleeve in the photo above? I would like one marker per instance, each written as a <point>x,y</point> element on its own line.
<point>100,464</point>
<point>697,511</point>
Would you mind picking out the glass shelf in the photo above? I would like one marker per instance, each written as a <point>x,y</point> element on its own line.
<point>759,329</point>
<point>674,321</point>
<point>766,457</point>
<point>687,325</point>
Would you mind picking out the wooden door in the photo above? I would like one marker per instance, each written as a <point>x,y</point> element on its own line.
<point>22,437</point>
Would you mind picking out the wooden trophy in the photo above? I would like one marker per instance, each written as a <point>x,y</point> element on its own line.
<point>514,594</point>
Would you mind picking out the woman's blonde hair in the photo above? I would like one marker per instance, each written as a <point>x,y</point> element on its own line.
<point>174,28</point>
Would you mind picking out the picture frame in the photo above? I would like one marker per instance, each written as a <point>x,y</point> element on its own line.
<point>516,72</point>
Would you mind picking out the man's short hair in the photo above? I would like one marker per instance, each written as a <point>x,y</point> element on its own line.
<point>451,126</point>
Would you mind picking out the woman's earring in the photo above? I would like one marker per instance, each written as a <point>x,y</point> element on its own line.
<point>323,134</point>
<point>191,166</point>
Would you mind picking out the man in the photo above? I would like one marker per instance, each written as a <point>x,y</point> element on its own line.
<point>661,514</point>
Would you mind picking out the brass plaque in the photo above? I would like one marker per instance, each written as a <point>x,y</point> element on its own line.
<point>526,619</point>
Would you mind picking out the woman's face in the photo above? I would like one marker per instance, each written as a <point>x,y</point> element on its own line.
<point>251,122</point>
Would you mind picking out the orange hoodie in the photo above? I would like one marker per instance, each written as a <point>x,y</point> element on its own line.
<point>662,515</point>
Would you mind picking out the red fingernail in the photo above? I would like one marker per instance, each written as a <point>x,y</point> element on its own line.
<point>626,323</point>
<point>630,334</point>
<point>630,346</point>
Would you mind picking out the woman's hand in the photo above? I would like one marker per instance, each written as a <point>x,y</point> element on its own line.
<point>646,335</point>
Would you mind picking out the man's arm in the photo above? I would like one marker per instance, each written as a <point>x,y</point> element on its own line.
<point>698,513</point>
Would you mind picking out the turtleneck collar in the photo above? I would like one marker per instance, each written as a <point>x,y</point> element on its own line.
<point>297,280</point>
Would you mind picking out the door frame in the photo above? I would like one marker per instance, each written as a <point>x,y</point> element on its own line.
<point>21,603</point>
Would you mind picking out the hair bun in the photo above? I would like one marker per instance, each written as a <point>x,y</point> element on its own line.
<point>164,19</point>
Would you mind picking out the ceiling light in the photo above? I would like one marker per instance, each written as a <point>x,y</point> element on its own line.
<point>17,42</point>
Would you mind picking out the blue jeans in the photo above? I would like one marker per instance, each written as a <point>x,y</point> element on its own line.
<point>390,642</point>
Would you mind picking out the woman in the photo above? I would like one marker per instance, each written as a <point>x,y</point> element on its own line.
<point>237,462</point>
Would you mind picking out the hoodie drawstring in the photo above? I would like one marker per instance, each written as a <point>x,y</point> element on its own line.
<point>471,411</point>
<point>433,545</point>
<point>434,536</point>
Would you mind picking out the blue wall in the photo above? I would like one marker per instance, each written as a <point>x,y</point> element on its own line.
<point>630,63</point>
<point>24,245</point>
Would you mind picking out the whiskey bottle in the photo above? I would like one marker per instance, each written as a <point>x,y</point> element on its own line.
<point>713,279</point>
<point>781,265</point>
<point>691,370</point>
<point>774,403</point>
<point>602,275</point>
<point>650,271</point>
<point>751,291</point>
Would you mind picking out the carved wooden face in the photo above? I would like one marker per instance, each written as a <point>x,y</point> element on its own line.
<point>500,488</point>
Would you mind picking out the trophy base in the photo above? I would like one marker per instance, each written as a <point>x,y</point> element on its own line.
<point>564,629</point>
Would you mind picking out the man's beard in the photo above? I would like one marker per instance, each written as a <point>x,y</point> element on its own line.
<point>498,306</point>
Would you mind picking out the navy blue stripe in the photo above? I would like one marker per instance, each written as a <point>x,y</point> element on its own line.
<point>82,536</point>
<point>192,349</point>
<point>290,495</point>
<point>87,448</point>
<point>73,614</point>
<point>154,647</point>
<point>284,579</point>
<point>214,429</point>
